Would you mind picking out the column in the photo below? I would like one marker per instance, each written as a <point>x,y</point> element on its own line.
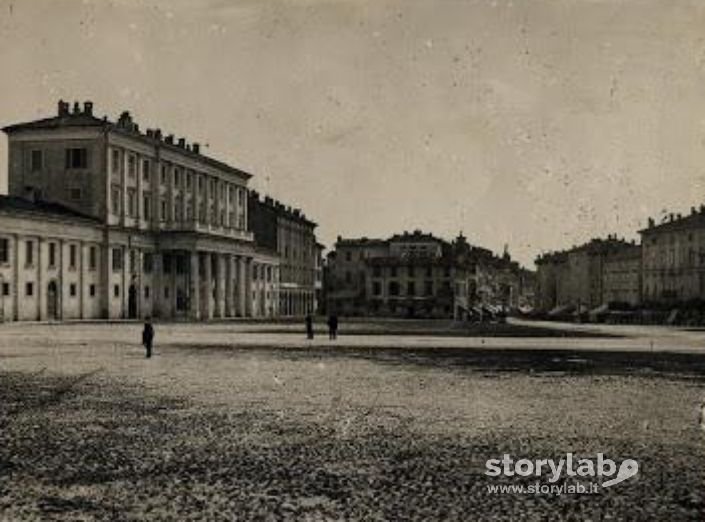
<point>194,288</point>
<point>248,286</point>
<point>220,285</point>
<point>229,289</point>
<point>240,269</point>
<point>208,293</point>
<point>42,265</point>
<point>81,281</point>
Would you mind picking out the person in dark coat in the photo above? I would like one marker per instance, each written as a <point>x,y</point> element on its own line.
<point>333,326</point>
<point>148,336</point>
<point>309,326</point>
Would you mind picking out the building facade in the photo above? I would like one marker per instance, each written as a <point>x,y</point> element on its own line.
<point>590,275</point>
<point>674,258</point>
<point>105,221</point>
<point>290,236</point>
<point>418,275</point>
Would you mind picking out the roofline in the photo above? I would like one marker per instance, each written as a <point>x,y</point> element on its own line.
<point>114,127</point>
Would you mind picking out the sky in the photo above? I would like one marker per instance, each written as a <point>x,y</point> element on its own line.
<point>532,123</point>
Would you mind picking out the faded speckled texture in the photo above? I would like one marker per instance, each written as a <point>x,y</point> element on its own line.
<point>534,123</point>
<point>270,433</point>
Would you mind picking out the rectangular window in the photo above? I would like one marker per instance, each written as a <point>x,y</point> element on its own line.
<point>91,258</point>
<point>166,263</point>
<point>29,253</point>
<point>116,290</point>
<point>162,214</point>
<point>188,181</point>
<point>75,194</point>
<point>163,177</point>
<point>131,203</point>
<point>115,197</point>
<point>77,158</point>
<point>29,289</point>
<point>91,290</point>
<point>6,289</point>
<point>133,261</point>
<point>72,256</point>
<point>72,289</point>
<point>147,263</point>
<point>146,173</point>
<point>410,288</point>
<point>4,250</point>
<point>52,255</point>
<point>393,271</point>
<point>131,166</point>
<point>146,292</point>
<point>147,206</point>
<point>177,177</point>
<point>116,161</point>
<point>429,288</point>
<point>36,161</point>
<point>377,288</point>
<point>166,293</point>
<point>117,259</point>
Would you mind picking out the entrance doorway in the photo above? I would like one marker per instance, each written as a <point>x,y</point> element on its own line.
<point>52,301</point>
<point>132,302</point>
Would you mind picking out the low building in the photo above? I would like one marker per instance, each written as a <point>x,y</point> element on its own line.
<point>418,275</point>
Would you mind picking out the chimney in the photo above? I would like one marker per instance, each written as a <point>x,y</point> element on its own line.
<point>196,147</point>
<point>150,133</point>
<point>169,139</point>
<point>125,120</point>
<point>76,108</point>
<point>158,134</point>
<point>63,108</point>
<point>88,108</point>
<point>182,143</point>
<point>692,211</point>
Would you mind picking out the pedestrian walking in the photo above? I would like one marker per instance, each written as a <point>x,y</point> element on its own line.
<point>148,336</point>
<point>333,326</point>
<point>309,326</point>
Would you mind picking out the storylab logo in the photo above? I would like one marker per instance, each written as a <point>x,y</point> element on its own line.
<point>604,472</point>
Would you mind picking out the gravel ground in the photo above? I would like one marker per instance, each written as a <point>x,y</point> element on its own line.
<point>212,433</point>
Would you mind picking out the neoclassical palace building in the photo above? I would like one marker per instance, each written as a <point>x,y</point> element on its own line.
<point>103,220</point>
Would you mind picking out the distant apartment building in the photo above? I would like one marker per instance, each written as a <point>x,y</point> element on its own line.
<point>416,275</point>
<point>104,220</point>
<point>589,275</point>
<point>622,274</point>
<point>290,236</point>
<point>674,258</point>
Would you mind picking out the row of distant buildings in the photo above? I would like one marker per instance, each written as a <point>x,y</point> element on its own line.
<point>667,268</point>
<point>420,275</point>
<point>104,220</point>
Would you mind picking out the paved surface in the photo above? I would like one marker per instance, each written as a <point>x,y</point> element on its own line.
<point>627,337</point>
<point>225,422</point>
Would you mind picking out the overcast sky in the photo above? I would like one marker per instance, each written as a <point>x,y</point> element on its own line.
<point>535,123</point>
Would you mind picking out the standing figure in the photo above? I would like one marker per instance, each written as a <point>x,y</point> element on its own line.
<point>333,326</point>
<point>309,326</point>
<point>148,336</point>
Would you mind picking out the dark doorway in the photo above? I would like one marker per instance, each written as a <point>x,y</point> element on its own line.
<point>132,303</point>
<point>52,301</point>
